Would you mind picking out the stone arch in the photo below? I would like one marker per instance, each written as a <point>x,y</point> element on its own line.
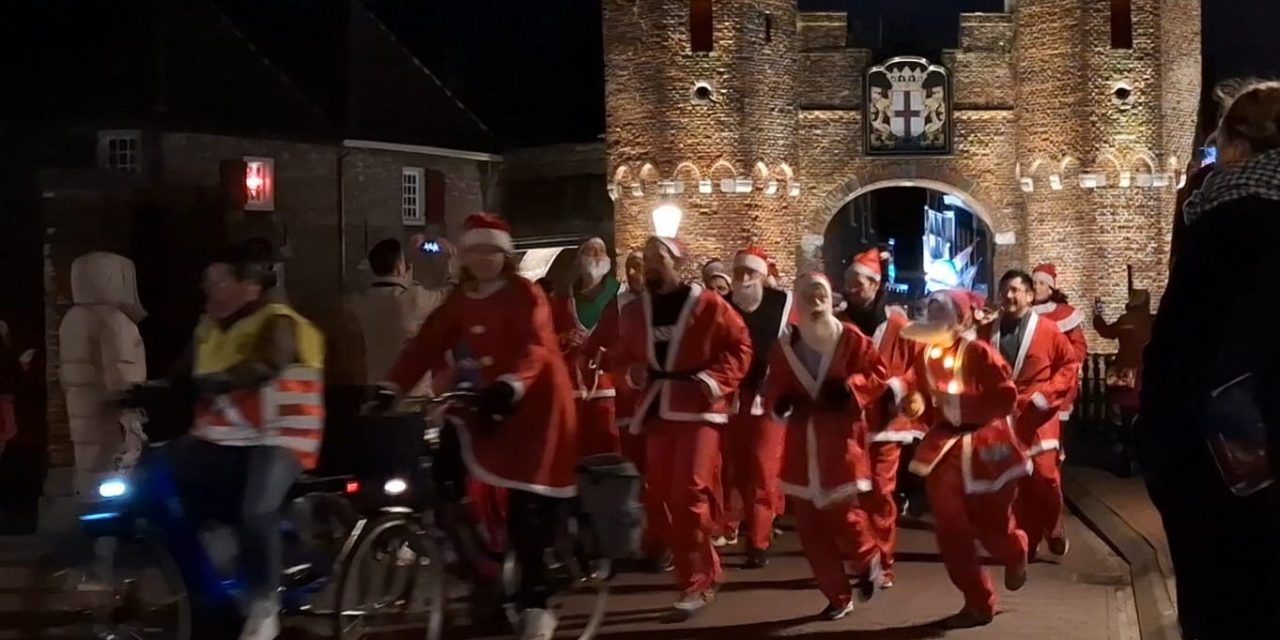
<point>968,190</point>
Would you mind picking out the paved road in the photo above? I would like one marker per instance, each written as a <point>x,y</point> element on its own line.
<point>1085,597</point>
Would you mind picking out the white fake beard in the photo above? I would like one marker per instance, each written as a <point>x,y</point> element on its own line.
<point>821,333</point>
<point>747,295</point>
<point>593,270</point>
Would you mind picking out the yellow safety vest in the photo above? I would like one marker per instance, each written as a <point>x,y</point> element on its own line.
<point>287,411</point>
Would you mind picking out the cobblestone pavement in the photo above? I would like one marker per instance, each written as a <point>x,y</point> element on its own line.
<point>1086,596</point>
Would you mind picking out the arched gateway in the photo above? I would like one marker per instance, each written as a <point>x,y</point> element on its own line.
<point>760,122</point>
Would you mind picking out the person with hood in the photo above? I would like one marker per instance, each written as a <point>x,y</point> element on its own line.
<point>970,458</point>
<point>753,439</point>
<point>890,431</point>
<point>823,372</point>
<point>716,277</point>
<point>497,327</point>
<point>1201,346</point>
<point>1045,371</point>
<point>101,355</point>
<point>576,316</point>
<point>1132,330</point>
<point>684,350</point>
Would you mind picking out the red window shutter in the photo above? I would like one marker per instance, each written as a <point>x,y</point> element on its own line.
<point>1121,24</point>
<point>701,31</point>
<point>434,206</point>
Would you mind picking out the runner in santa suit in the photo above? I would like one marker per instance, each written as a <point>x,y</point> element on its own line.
<point>970,458</point>
<point>632,444</point>
<point>822,373</point>
<point>497,325</point>
<point>577,314</point>
<point>1051,303</point>
<point>889,430</point>
<point>753,440</point>
<point>1045,371</point>
<point>685,349</point>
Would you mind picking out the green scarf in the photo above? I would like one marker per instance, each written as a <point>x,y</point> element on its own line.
<point>590,309</point>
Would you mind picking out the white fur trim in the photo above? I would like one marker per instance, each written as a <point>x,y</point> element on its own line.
<point>973,485</point>
<point>862,269</point>
<point>750,261</point>
<point>898,387</point>
<point>901,437</point>
<point>1027,337</point>
<point>1040,276</point>
<point>712,385</point>
<point>1071,322</point>
<point>1049,444</point>
<point>1041,402</point>
<point>671,245</point>
<point>488,477</point>
<point>495,237</point>
<point>1065,414</point>
<point>660,391</point>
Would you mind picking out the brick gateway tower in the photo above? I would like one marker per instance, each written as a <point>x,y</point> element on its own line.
<point>1071,128</point>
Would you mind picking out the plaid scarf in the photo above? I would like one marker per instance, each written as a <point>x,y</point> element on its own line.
<point>1259,177</point>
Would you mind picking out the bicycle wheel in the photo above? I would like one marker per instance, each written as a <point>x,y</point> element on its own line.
<point>130,589</point>
<point>391,580</point>
<point>581,572</point>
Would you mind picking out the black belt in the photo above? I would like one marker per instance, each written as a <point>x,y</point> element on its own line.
<point>655,374</point>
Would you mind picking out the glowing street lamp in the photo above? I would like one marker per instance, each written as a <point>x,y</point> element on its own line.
<point>666,220</point>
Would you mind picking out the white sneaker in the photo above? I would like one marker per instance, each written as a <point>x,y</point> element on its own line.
<point>263,622</point>
<point>537,624</point>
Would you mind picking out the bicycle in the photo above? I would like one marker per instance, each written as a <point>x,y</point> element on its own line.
<point>418,518</point>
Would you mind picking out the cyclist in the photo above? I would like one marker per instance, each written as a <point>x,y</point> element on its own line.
<point>498,325</point>
<point>256,367</point>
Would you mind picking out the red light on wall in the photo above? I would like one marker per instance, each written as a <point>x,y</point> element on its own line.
<point>353,486</point>
<point>260,184</point>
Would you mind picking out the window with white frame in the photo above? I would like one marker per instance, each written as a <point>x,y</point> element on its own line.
<point>412,191</point>
<point>120,150</point>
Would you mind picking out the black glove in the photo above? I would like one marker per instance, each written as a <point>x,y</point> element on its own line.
<point>379,400</point>
<point>888,406</point>
<point>783,406</point>
<point>212,385</point>
<point>497,399</point>
<point>134,397</point>
<point>835,394</point>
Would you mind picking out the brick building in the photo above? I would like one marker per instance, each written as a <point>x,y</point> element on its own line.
<point>352,140</point>
<point>1071,124</point>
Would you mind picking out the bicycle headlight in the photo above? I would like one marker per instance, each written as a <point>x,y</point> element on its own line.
<point>113,488</point>
<point>395,486</point>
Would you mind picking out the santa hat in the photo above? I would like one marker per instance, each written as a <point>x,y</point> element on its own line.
<point>594,241</point>
<point>809,279</point>
<point>867,263</point>
<point>674,247</point>
<point>487,229</point>
<point>753,258</point>
<point>1046,273</point>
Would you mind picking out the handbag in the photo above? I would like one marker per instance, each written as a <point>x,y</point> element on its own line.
<point>1236,433</point>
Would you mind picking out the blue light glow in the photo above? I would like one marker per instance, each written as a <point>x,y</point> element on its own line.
<point>93,517</point>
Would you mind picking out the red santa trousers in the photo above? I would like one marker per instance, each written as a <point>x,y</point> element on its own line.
<point>596,431</point>
<point>753,459</point>
<point>830,537</point>
<point>682,474</point>
<point>1039,504</point>
<point>962,520</point>
<point>633,449</point>
<point>879,503</point>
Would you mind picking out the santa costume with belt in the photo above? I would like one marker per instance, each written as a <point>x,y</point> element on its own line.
<point>626,399</point>
<point>685,350</point>
<point>889,430</point>
<point>970,458</point>
<point>1045,371</point>
<point>582,320</point>
<point>505,336</point>
<point>1051,303</point>
<point>752,443</point>
<point>822,373</point>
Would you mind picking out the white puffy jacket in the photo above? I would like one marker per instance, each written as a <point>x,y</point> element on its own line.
<point>101,351</point>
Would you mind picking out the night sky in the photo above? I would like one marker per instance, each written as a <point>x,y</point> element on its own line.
<point>533,70</point>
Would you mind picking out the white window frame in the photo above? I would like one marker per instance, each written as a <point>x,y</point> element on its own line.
<point>269,204</point>
<point>413,205</point>
<point>109,158</point>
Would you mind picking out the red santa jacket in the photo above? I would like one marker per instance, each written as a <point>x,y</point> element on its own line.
<point>607,335</point>
<point>824,460</point>
<point>969,395</point>
<point>510,338</point>
<point>898,354</point>
<point>585,349</point>
<point>1071,323</point>
<point>709,342</point>
<point>1045,372</point>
